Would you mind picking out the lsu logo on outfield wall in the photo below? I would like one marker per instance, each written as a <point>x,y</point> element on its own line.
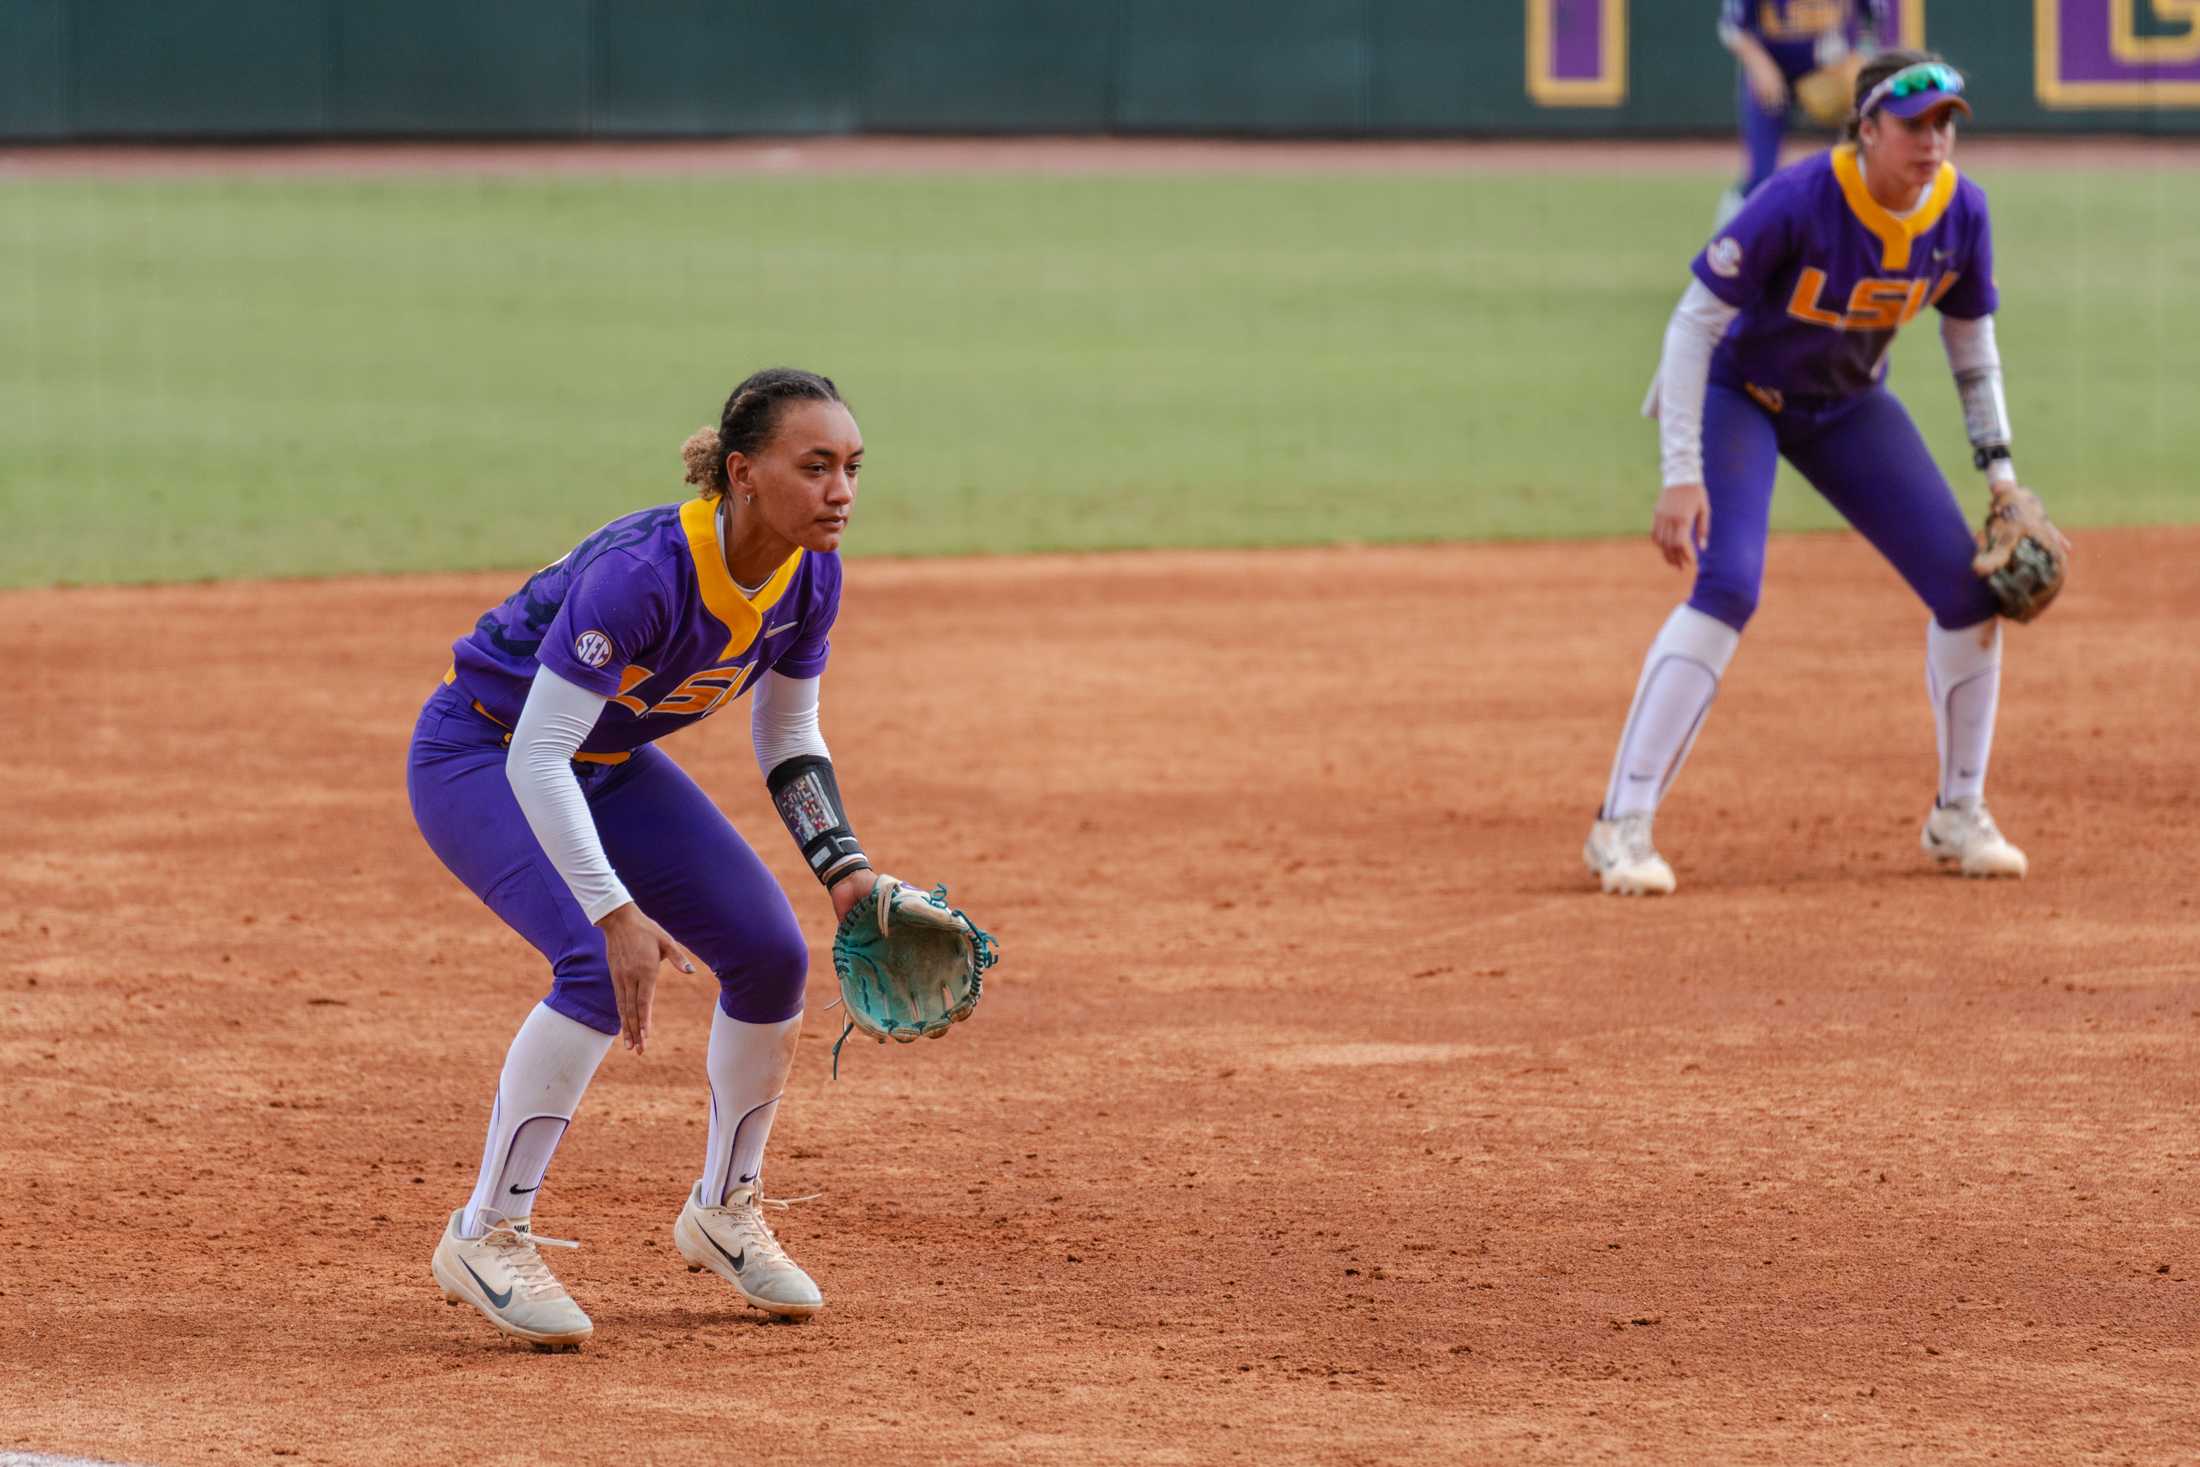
<point>2117,53</point>
<point>1577,53</point>
<point>1577,49</point>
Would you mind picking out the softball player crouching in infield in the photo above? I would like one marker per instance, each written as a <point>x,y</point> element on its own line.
<point>535,778</point>
<point>1778,348</point>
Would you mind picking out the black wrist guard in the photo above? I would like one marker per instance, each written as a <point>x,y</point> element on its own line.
<point>808,798</point>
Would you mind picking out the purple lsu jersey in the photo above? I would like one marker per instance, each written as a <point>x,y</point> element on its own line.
<point>1805,34</point>
<point>1824,277</point>
<point>645,613</point>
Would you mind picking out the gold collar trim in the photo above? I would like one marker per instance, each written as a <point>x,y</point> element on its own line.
<point>1894,234</point>
<point>743,616</point>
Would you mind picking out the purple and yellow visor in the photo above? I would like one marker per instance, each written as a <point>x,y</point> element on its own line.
<point>1916,90</point>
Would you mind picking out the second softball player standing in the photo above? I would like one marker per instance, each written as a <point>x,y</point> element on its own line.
<point>1775,44</point>
<point>1778,349</point>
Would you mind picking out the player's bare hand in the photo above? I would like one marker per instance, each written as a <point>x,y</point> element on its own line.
<point>1681,524</point>
<point>851,889</point>
<point>636,946</point>
<point>1766,83</point>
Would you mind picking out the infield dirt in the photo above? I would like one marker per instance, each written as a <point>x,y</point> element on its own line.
<point>1320,1110</point>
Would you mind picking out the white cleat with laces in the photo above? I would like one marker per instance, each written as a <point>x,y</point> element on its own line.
<point>1625,862</point>
<point>501,1274</point>
<point>735,1243</point>
<point>1961,831</point>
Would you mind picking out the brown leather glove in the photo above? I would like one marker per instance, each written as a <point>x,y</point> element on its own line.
<point>2021,553</point>
<point>1827,94</point>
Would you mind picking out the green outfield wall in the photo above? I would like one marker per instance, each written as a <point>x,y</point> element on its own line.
<point>90,69</point>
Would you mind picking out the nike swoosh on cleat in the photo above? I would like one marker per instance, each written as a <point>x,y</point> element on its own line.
<point>495,1298</point>
<point>738,1260</point>
<point>523,1191</point>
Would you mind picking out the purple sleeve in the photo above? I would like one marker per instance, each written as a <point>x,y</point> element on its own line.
<point>1739,265</point>
<point>615,610</point>
<point>1975,294</point>
<point>813,644</point>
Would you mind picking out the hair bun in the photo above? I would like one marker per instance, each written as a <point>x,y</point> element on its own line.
<point>705,460</point>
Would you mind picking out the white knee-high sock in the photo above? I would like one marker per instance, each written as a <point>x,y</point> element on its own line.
<point>1679,679</point>
<point>1963,678</point>
<point>549,1065</point>
<point>748,1064</point>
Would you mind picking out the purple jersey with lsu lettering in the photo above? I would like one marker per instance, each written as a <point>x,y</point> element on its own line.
<point>1823,276</point>
<point>645,613</point>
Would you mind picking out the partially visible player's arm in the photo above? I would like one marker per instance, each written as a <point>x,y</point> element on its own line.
<point>557,716</point>
<point>798,770</point>
<point>1684,371</point>
<point>1874,25</point>
<point>1766,81</point>
<point>784,721</point>
<point>1732,13</point>
<point>1680,524</point>
<point>1976,362</point>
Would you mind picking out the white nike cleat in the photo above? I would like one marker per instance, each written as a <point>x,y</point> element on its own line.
<point>734,1243</point>
<point>1625,862</point>
<point>1964,833</point>
<point>501,1274</point>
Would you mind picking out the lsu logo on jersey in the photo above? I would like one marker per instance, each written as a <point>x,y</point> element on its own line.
<point>1874,304</point>
<point>699,695</point>
<point>1800,19</point>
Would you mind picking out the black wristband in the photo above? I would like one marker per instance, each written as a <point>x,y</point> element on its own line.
<point>808,799</point>
<point>1982,458</point>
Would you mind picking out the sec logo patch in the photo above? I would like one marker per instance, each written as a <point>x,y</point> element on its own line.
<point>1724,257</point>
<point>592,649</point>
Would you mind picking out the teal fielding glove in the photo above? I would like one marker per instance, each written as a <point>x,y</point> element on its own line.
<point>909,964</point>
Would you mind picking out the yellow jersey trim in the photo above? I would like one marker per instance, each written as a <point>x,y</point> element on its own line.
<point>577,758</point>
<point>742,616</point>
<point>1894,234</point>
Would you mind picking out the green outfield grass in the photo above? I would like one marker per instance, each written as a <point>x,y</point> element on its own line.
<point>220,378</point>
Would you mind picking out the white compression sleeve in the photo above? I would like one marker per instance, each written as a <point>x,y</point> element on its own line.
<point>1677,392</point>
<point>1976,362</point>
<point>784,721</point>
<point>558,715</point>
<point>1970,344</point>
